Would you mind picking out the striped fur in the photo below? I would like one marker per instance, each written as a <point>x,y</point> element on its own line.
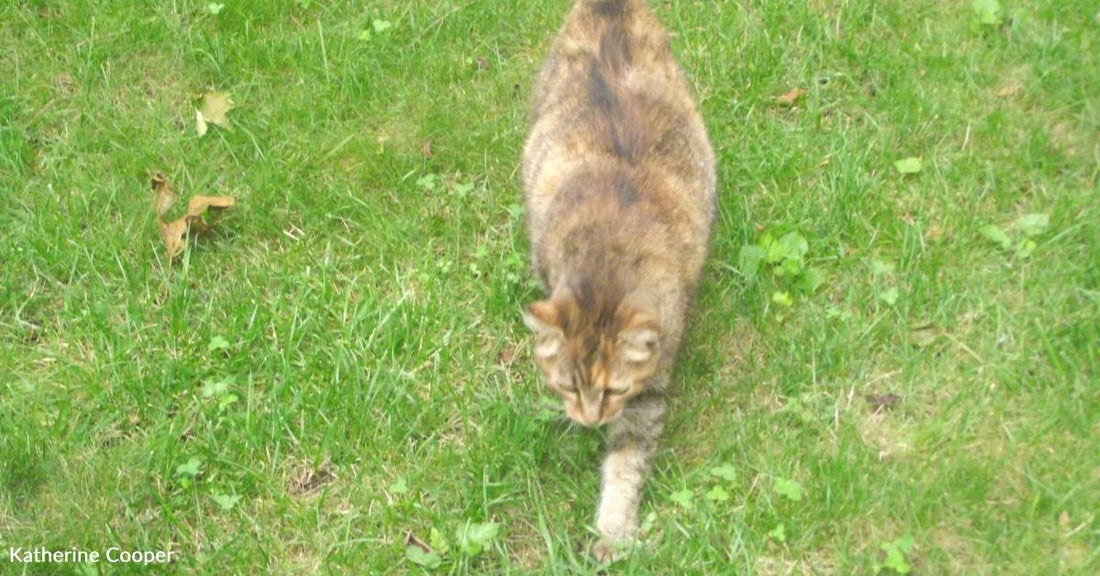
<point>619,181</point>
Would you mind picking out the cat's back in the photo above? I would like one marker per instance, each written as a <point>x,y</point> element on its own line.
<point>613,106</point>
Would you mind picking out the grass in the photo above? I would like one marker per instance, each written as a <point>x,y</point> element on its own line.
<point>374,341</point>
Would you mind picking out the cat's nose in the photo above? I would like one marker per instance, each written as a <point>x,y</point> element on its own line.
<point>592,416</point>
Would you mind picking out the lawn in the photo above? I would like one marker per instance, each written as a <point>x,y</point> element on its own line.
<point>339,368</point>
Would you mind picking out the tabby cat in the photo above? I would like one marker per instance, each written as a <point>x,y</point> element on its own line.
<point>619,180</point>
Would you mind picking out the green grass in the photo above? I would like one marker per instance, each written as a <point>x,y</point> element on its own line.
<point>373,323</point>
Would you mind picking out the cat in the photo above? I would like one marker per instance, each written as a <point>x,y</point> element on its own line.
<point>619,182</point>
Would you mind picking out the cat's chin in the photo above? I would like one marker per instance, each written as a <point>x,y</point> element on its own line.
<point>575,416</point>
<point>594,424</point>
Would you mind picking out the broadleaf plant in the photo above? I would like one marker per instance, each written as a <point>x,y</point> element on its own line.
<point>785,257</point>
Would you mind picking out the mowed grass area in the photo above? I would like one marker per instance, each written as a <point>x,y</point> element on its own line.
<point>370,376</point>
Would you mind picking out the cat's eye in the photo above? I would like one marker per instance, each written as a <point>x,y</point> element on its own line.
<point>616,391</point>
<point>568,387</point>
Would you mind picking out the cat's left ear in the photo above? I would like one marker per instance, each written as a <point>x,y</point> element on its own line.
<point>639,338</point>
<point>544,319</point>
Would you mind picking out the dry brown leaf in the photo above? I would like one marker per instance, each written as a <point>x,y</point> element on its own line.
<point>175,236</point>
<point>790,97</point>
<point>214,109</point>
<point>197,207</point>
<point>427,149</point>
<point>165,197</point>
<point>175,232</point>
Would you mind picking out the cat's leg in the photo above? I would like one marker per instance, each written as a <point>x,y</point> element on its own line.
<point>631,445</point>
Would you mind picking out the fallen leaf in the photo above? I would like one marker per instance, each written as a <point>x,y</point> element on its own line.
<point>214,109</point>
<point>175,232</point>
<point>164,197</point>
<point>883,401</point>
<point>197,209</point>
<point>790,97</point>
<point>427,149</point>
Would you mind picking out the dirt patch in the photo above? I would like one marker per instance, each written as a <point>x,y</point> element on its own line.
<point>964,559</point>
<point>881,432</point>
<point>308,479</point>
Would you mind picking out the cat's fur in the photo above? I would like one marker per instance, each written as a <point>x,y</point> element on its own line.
<point>619,180</point>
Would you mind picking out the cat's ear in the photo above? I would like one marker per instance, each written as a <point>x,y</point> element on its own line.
<point>639,338</point>
<point>544,318</point>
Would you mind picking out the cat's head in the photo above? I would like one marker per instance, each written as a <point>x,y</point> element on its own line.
<point>595,357</point>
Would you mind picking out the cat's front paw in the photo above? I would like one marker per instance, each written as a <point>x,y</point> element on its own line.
<point>608,550</point>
